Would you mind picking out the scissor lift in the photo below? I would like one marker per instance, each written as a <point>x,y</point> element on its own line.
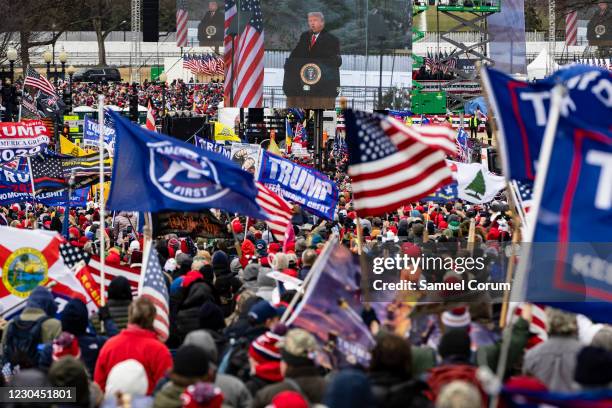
<point>477,12</point>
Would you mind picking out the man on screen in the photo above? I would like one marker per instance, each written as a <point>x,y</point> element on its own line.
<point>322,48</point>
<point>210,29</point>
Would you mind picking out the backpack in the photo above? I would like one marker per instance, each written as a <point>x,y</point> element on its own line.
<point>22,340</point>
<point>236,360</point>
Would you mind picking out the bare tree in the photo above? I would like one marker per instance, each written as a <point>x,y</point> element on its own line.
<point>106,16</point>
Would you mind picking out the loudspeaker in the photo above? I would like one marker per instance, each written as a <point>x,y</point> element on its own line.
<point>255,115</point>
<point>150,20</point>
<point>185,128</point>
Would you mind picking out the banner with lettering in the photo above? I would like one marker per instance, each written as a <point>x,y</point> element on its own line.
<point>91,133</point>
<point>246,155</point>
<point>303,185</point>
<point>213,147</point>
<point>195,224</point>
<point>22,139</point>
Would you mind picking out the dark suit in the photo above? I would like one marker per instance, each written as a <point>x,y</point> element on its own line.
<point>326,54</point>
<point>217,20</point>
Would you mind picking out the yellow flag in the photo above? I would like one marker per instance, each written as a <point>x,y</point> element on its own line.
<point>69,148</point>
<point>224,133</point>
<point>273,146</point>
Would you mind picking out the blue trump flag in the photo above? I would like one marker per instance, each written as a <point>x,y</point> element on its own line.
<point>570,261</point>
<point>212,147</point>
<point>521,109</point>
<point>331,308</point>
<point>15,186</point>
<point>153,172</point>
<point>305,186</point>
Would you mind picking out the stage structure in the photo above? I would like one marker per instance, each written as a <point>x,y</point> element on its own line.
<point>477,12</point>
<point>135,31</point>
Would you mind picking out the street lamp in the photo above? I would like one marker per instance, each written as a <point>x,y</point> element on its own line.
<point>163,78</point>
<point>47,57</point>
<point>11,54</point>
<point>70,71</point>
<point>63,57</point>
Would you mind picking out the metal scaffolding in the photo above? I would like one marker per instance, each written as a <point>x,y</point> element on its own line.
<point>476,20</point>
<point>135,30</point>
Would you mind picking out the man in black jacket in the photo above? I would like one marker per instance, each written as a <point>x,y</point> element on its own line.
<point>210,29</point>
<point>318,46</point>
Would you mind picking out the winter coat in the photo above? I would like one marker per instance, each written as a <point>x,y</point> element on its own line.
<point>134,343</point>
<point>305,380</point>
<point>390,391</point>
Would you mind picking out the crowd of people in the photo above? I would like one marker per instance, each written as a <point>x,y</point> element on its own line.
<point>200,98</point>
<point>228,344</point>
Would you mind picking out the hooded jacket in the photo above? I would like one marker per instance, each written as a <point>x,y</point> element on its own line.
<point>138,344</point>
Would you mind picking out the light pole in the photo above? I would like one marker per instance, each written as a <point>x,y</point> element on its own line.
<point>47,57</point>
<point>70,71</point>
<point>11,54</point>
<point>163,78</point>
<point>63,57</point>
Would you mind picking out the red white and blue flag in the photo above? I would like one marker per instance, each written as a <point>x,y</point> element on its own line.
<point>153,287</point>
<point>391,164</point>
<point>277,209</point>
<point>244,56</point>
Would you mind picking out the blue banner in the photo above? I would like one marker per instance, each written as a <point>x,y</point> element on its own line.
<point>570,265</point>
<point>153,172</point>
<point>15,186</point>
<point>213,147</point>
<point>91,134</point>
<point>58,198</point>
<point>305,186</point>
<point>444,194</point>
<point>332,306</point>
<point>521,109</point>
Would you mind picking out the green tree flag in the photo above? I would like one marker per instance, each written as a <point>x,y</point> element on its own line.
<point>477,187</point>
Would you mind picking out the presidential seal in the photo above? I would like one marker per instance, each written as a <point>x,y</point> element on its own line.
<point>183,175</point>
<point>310,74</point>
<point>211,30</point>
<point>600,30</point>
<point>24,269</point>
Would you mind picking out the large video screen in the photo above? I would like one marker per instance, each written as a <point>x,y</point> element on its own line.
<point>303,51</point>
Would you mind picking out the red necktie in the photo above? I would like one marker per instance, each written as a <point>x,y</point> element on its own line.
<point>313,39</point>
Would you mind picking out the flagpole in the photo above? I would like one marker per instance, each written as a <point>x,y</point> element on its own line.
<point>32,184</point>
<point>101,198</point>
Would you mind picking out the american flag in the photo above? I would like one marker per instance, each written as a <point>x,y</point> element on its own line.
<point>34,79</point>
<point>538,322</point>
<point>278,210</point>
<point>153,286</point>
<point>72,255</point>
<point>462,147</point>
<point>571,28</point>
<point>47,172</point>
<point>248,57</point>
<point>391,164</point>
<point>525,193</point>
<point>181,24</point>
<point>301,137</point>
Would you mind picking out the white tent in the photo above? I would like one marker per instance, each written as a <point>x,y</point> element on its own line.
<point>537,68</point>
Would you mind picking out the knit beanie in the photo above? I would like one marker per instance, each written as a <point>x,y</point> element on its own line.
<point>202,395</point>
<point>190,361</point>
<point>593,367</point>
<point>74,317</point>
<point>455,342</point>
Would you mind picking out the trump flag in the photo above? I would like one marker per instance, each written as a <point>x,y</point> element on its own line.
<point>521,109</point>
<point>153,172</point>
<point>570,262</point>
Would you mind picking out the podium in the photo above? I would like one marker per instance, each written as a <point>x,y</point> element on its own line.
<point>311,83</point>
